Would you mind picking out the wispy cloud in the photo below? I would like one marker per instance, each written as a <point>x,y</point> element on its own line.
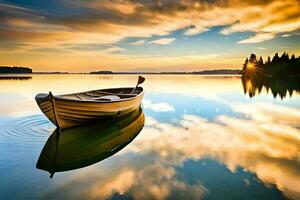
<point>261,37</point>
<point>163,41</point>
<point>261,48</point>
<point>196,30</point>
<point>289,35</point>
<point>113,49</point>
<point>138,42</point>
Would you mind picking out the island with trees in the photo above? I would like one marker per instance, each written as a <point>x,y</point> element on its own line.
<point>102,72</point>
<point>279,66</point>
<point>15,70</point>
<point>279,75</point>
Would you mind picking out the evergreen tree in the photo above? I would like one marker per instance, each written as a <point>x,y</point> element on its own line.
<point>246,62</point>
<point>260,61</point>
<point>284,57</point>
<point>293,58</point>
<point>275,58</point>
<point>252,58</point>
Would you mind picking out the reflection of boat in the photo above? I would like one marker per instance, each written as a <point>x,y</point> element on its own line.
<point>85,145</point>
<point>80,108</point>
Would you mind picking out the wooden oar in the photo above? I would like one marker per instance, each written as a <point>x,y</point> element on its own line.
<point>140,81</point>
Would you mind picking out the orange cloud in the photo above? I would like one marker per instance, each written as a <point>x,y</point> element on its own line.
<point>131,19</point>
<point>109,22</point>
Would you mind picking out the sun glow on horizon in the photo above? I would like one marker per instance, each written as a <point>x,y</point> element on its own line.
<point>250,66</point>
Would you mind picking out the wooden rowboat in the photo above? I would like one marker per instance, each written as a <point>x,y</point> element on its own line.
<point>80,108</point>
<point>82,146</point>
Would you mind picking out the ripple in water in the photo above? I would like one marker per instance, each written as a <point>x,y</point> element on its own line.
<point>29,129</point>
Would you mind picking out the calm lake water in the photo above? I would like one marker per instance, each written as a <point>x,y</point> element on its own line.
<point>202,137</point>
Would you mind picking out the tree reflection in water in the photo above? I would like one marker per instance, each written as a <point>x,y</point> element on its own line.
<point>277,86</point>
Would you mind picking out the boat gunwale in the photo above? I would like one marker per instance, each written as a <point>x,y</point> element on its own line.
<point>61,97</point>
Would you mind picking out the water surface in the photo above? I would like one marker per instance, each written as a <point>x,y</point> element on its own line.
<point>203,137</point>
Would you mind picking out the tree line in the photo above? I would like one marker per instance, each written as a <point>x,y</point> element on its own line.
<point>102,72</point>
<point>15,70</point>
<point>277,66</point>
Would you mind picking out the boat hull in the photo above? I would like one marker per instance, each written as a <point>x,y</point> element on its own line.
<point>66,113</point>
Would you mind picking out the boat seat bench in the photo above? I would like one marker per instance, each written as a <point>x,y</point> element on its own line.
<point>114,97</point>
<point>111,97</point>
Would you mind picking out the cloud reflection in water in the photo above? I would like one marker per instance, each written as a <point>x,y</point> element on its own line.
<point>267,145</point>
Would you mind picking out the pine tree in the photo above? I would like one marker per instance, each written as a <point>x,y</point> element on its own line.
<point>253,59</point>
<point>275,58</point>
<point>260,61</point>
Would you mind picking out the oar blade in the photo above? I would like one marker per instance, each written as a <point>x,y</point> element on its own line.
<point>141,80</point>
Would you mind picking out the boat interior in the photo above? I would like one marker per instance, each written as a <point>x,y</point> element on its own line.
<point>104,95</point>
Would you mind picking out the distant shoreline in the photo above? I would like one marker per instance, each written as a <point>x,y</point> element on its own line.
<point>20,74</point>
<point>204,72</point>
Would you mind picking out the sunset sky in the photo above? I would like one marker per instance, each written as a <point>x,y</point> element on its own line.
<point>144,35</point>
